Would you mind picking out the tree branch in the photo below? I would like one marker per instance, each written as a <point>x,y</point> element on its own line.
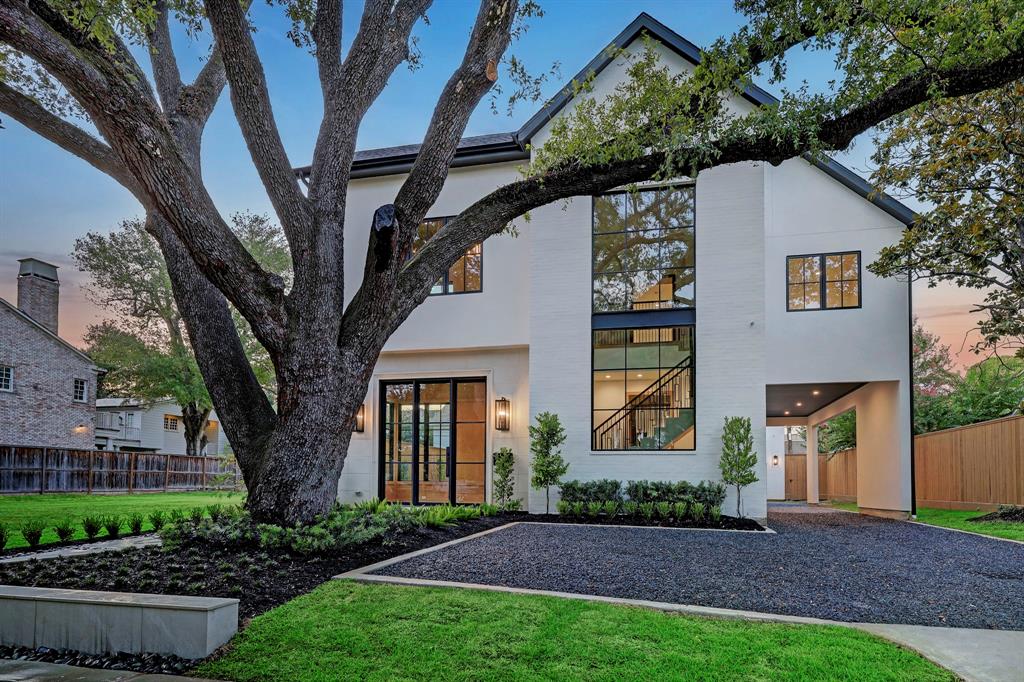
<point>472,79</point>
<point>327,37</point>
<point>67,136</point>
<point>161,57</point>
<point>251,102</point>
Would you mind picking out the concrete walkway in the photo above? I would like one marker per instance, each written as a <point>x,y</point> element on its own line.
<point>23,671</point>
<point>127,542</point>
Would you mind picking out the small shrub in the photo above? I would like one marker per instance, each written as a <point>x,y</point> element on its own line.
<point>578,509</point>
<point>630,508</point>
<point>32,531</point>
<point>593,509</point>
<point>514,505</point>
<point>215,511</point>
<point>176,516</point>
<point>679,511</point>
<point>664,510</point>
<point>196,515</point>
<point>715,514</point>
<point>604,490</point>
<point>489,510</point>
<point>504,462</point>
<point>92,526</point>
<point>5,536</point>
<point>697,511</point>
<point>647,510</point>
<point>112,524</point>
<point>610,508</point>
<point>65,530</point>
<point>157,519</point>
<point>135,523</point>
<point>564,507</point>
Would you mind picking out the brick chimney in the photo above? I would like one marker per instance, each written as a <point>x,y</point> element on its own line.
<point>39,291</point>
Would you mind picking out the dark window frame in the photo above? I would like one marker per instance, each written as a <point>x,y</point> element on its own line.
<point>445,278</point>
<point>9,371</point>
<point>823,280</point>
<point>693,388</point>
<point>692,186</point>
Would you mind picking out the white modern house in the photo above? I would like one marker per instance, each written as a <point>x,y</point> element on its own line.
<point>131,425</point>
<point>641,319</point>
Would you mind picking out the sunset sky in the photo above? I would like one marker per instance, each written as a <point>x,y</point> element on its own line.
<point>48,198</point>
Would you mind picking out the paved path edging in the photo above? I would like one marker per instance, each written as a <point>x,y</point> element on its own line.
<point>115,545</point>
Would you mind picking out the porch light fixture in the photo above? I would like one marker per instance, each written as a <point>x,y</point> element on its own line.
<point>799,404</point>
<point>775,460</point>
<point>360,419</point>
<point>815,392</point>
<point>502,414</point>
<point>786,413</point>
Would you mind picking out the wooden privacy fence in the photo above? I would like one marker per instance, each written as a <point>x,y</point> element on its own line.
<point>837,476</point>
<point>971,467</point>
<point>60,470</point>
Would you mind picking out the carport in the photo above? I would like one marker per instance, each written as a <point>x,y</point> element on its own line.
<point>884,440</point>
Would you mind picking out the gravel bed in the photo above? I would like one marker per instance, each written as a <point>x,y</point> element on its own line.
<point>835,565</point>
<point>139,663</point>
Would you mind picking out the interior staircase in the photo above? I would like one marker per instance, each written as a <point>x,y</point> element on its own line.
<point>657,418</point>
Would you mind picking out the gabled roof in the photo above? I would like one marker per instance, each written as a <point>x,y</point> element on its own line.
<point>512,146</point>
<point>28,318</point>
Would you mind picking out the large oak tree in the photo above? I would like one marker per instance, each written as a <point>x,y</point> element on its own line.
<point>890,54</point>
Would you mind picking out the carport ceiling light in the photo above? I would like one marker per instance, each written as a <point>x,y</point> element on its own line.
<point>815,392</point>
<point>799,404</point>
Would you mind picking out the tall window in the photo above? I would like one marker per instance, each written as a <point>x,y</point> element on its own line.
<point>643,389</point>
<point>6,378</point>
<point>80,388</point>
<point>643,253</point>
<point>466,275</point>
<point>823,281</point>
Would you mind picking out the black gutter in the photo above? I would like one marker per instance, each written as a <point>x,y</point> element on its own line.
<point>910,386</point>
<point>395,165</point>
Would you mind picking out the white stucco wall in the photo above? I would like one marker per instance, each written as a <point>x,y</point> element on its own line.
<point>496,316</point>
<point>775,478</point>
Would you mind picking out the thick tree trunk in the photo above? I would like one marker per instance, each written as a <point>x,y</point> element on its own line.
<point>301,461</point>
<point>193,418</point>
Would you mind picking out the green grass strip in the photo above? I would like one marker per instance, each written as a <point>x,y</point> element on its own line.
<point>345,630</point>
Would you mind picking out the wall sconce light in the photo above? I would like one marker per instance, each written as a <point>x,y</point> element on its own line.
<point>502,414</point>
<point>81,428</point>
<point>775,460</point>
<point>360,419</point>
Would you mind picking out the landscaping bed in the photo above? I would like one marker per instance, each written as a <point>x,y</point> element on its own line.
<point>261,566</point>
<point>721,523</point>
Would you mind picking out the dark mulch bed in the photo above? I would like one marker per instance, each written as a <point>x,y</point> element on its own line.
<point>835,565</point>
<point>141,663</point>
<point>259,579</point>
<point>723,523</point>
<point>1008,514</point>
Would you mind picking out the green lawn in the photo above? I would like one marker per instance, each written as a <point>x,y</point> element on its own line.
<point>51,508</point>
<point>956,518</point>
<point>345,630</point>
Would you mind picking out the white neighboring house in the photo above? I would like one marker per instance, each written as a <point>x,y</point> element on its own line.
<point>128,424</point>
<point>641,320</point>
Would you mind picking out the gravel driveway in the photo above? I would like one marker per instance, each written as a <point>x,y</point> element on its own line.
<point>832,565</point>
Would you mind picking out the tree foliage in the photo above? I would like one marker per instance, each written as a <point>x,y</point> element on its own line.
<point>990,389</point>
<point>965,159</point>
<point>738,456</point>
<point>838,433</point>
<point>547,467</point>
<point>65,62</point>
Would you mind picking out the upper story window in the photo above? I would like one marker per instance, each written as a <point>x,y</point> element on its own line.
<point>6,378</point>
<point>823,281</point>
<point>170,422</point>
<point>79,391</point>
<point>466,275</point>
<point>643,250</point>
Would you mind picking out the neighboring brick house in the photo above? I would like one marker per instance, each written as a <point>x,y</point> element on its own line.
<point>47,386</point>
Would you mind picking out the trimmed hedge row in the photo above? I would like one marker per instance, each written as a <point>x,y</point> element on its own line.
<point>709,493</point>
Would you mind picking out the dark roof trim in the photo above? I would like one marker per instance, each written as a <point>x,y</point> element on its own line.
<point>645,23</point>
<point>472,151</point>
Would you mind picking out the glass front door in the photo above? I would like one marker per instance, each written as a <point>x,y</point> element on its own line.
<point>420,461</point>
